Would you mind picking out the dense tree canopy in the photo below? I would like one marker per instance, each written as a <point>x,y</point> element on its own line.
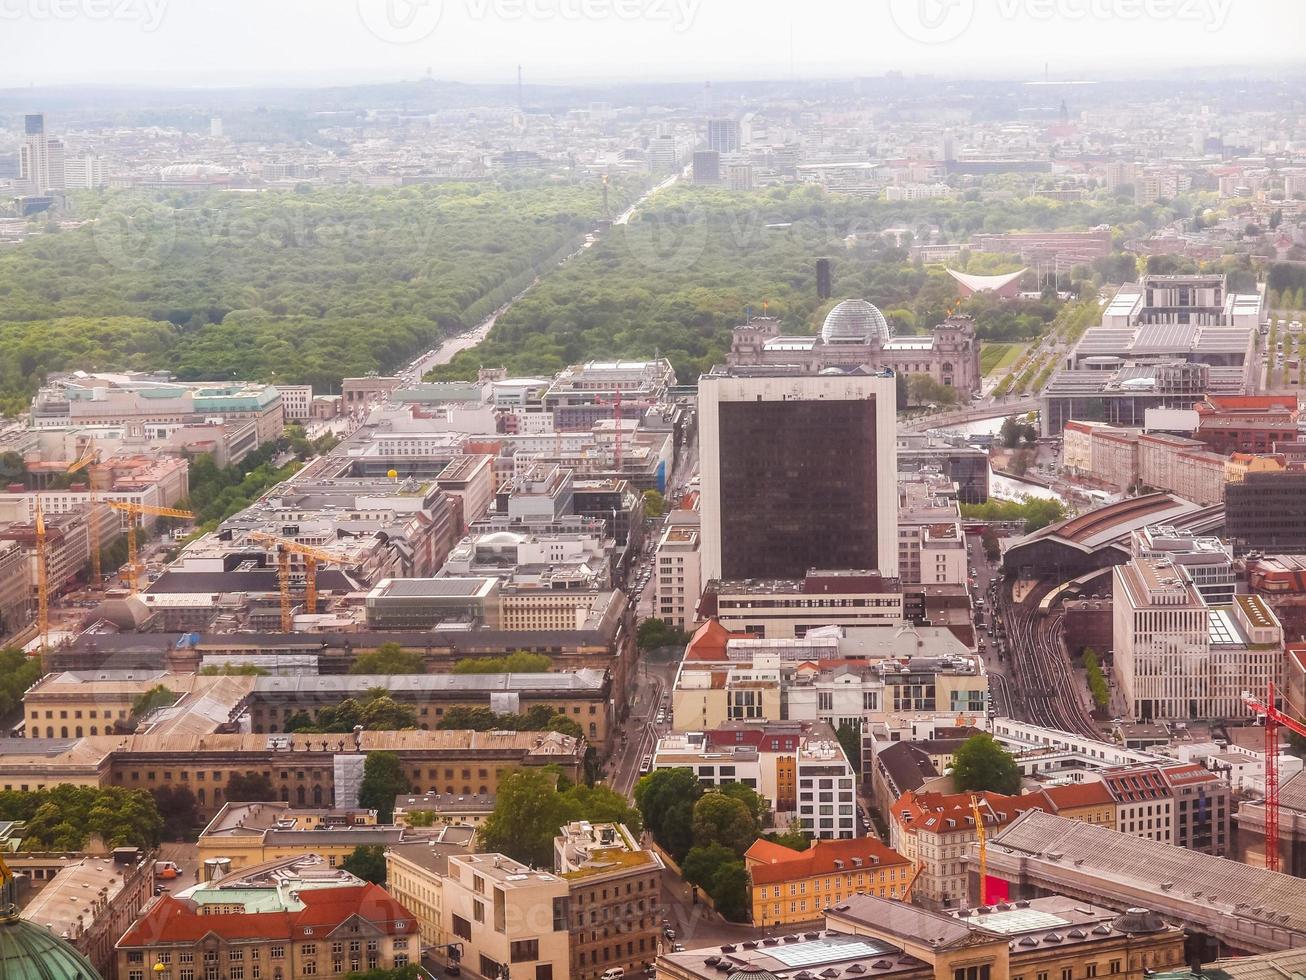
<point>63,818</point>
<point>383,779</point>
<point>982,765</point>
<point>518,662</point>
<point>367,861</point>
<point>389,658</point>
<point>18,672</point>
<point>532,805</point>
<point>666,798</point>
<point>676,279</point>
<point>375,711</point>
<point>300,288</point>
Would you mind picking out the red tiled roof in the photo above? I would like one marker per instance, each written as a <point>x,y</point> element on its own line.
<point>1074,795</point>
<point>178,920</point>
<point>709,642</point>
<point>819,859</point>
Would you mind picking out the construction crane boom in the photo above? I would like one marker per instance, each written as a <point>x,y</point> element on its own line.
<point>134,512</point>
<point>1273,719</point>
<point>983,850</point>
<point>312,556</point>
<point>911,882</point>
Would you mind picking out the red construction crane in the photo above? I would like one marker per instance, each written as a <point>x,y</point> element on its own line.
<point>1273,719</point>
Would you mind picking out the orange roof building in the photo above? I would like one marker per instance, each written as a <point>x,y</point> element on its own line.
<point>791,886</point>
<point>316,932</point>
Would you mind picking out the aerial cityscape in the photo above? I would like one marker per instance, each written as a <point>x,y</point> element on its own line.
<point>652,490</point>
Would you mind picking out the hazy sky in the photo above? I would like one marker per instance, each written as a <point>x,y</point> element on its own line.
<point>185,42</point>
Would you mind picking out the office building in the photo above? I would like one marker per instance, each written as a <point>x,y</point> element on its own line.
<point>707,167</point>
<point>40,158</point>
<point>785,608</point>
<point>798,472</point>
<point>1176,657</point>
<point>723,135</point>
<point>1266,513</point>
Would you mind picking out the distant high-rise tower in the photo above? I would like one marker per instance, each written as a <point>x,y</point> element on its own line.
<point>823,279</point>
<point>663,155</point>
<point>707,167</point>
<point>723,135</point>
<point>40,158</point>
<point>215,127</point>
<point>798,472</point>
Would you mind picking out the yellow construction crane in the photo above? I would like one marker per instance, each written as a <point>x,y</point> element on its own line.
<point>91,455</point>
<point>42,579</point>
<point>983,850</point>
<point>312,556</point>
<point>134,512</point>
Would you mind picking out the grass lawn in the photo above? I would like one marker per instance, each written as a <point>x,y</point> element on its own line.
<point>996,356</point>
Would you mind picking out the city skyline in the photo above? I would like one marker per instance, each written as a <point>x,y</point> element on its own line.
<point>154,42</point>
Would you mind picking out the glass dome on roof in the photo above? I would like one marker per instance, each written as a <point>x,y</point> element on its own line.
<point>31,952</point>
<point>855,321</point>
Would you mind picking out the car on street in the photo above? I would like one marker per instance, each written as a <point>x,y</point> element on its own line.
<point>647,764</point>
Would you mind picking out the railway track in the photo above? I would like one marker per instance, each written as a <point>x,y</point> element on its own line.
<point>1044,677</point>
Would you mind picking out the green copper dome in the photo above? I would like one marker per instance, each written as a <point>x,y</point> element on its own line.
<point>32,952</point>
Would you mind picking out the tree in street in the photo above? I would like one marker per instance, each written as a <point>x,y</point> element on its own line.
<point>850,740</point>
<point>982,765</point>
<point>367,861</point>
<point>178,808</point>
<point>653,633</point>
<point>666,798</point>
<point>250,787</point>
<point>721,819</point>
<point>383,779</point>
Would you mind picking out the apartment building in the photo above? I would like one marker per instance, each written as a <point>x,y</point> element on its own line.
<point>799,767</point>
<point>677,579</point>
<point>1183,804</point>
<point>850,676</point>
<point>614,891</point>
<point>788,886</point>
<point>935,830</point>
<point>507,917</point>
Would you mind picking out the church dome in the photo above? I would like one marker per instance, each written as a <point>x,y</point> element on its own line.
<point>32,952</point>
<point>855,321</point>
